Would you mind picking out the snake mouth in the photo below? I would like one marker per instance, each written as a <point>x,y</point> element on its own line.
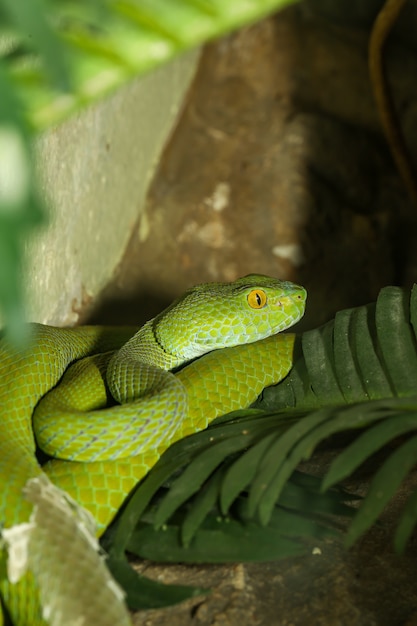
<point>298,293</point>
<point>294,303</point>
<point>297,298</point>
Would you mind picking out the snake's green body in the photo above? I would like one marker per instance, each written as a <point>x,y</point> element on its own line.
<point>102,451</point>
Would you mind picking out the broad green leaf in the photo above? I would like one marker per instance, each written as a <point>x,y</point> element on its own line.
<point>222,540</point>
<point>196,473</point>
<point>177,456</point>
<point>305,514</point>
<point>275,456</point>
<point>305,499</point>
<point>203,503</point>
<point>144,593</point>
<point>241,473</point>
<point>413,310</point>
<point>367,444</point>
<point>232,541</point>
<point>357,416</point>
<point>346,366</point>
<point>294,523</point>
<point>384,485</point>
<point>366,353</point>
<point>318,353</point>
<point>399,348</point>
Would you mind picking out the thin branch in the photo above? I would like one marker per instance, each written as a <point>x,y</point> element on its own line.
<point>382,27</point>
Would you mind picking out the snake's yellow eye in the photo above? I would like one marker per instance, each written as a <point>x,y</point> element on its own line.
<point>257,299</point>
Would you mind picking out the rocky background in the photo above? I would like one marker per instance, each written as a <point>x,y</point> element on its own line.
<point>279,165</point>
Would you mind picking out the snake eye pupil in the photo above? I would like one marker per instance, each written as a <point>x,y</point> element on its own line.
<point>257,299</point>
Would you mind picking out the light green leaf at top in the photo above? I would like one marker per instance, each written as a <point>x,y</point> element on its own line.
<point>105,50</point>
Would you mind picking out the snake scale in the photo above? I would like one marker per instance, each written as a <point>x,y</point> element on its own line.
<point>103,404</point>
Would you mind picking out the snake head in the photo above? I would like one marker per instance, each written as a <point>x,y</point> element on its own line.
<point>220,315</point>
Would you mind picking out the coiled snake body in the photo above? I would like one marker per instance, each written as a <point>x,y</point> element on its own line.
<point>101,449</point>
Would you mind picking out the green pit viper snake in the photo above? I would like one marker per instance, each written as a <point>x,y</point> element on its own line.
<point>99,451</point>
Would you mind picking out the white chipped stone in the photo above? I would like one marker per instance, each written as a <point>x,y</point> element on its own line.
<point>16,539</point>
<point>291,252</point>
